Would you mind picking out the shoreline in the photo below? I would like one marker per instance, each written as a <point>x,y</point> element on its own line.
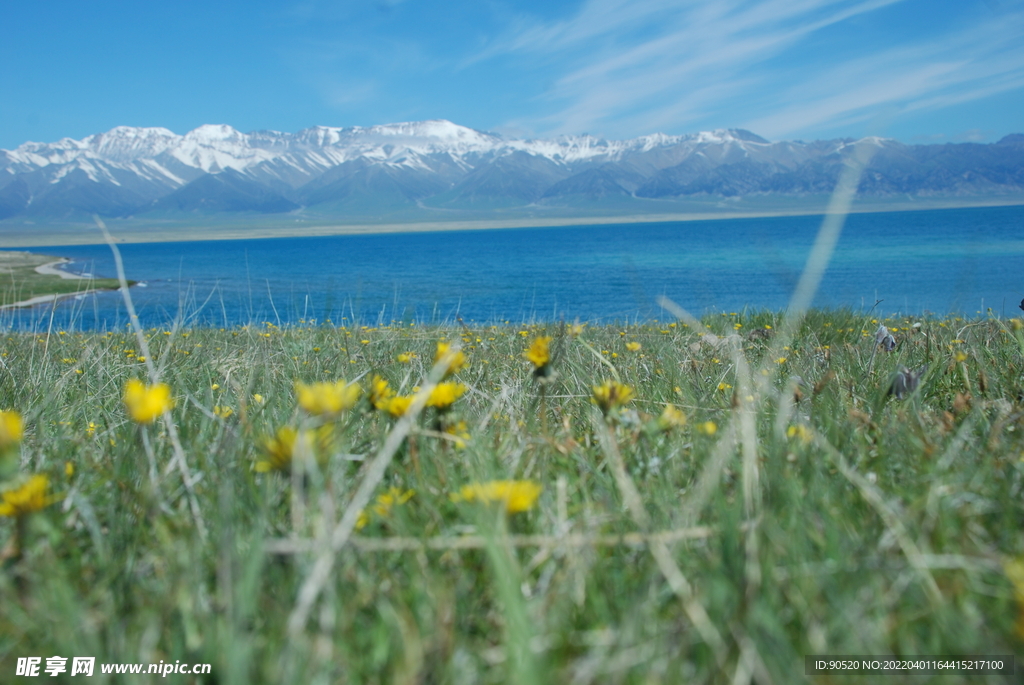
<point>47,299</point>
<point>50,269</point>
<point>43,238</point>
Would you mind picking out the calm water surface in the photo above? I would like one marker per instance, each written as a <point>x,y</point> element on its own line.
<point>958,260</point>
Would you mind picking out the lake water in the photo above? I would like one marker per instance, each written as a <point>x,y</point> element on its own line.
<point>955,260</point>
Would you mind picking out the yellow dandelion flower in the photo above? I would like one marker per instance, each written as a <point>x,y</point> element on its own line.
<point>405,357</point>
<point>671,418</point>
<point>708,427</point>
<point>633,346</point>
<point>611,395</point>
<point>384,504</point>
<point>279,450</point>
<point>90,430</point>
<point>799,432</point>
<point>444,394</point>
<point>69,469</point>
<point>223,412</point>
<point>516,495</point>
<point>11,429</point>
<point>29,497</point>
<point>455,360</point>
<point>724,386</point>
<point>576,329</point>
<point>960,356</point>
<point>380,393</point>
<point>258,398</point>
<point>780,360</point>
<point>398,405</point>
<point>460,431</point>
<point>146,402</point>
<point>539,352</point>
<point>327,398</point>
<point>287,442</point>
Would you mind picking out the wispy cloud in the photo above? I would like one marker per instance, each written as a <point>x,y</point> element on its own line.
<point>977,62</point>
<point>630,66</point>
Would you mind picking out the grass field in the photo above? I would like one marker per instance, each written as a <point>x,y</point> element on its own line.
<point>791,507</point>
<point>19,280</point>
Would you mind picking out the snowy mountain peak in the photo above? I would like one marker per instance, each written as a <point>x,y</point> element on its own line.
<point>214,133</point>
<point>123,143</point>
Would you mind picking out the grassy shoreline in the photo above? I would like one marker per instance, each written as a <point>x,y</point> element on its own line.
<point>803,509</point>
<point>28,279</point>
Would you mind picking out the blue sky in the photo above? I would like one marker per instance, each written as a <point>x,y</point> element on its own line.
<point>916,70</point>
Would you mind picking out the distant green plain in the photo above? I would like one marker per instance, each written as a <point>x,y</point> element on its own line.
<point>336,219</point>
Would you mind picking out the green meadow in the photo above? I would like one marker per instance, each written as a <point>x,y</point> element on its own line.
<point>787,505</point>
<point>19,280</point>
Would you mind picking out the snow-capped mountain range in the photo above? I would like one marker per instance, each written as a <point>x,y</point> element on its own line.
<point>439,165</point>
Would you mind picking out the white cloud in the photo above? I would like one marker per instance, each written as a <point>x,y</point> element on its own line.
<point>627,67</point>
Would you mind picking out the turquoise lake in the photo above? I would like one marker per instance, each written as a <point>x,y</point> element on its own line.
<point>941,261</point>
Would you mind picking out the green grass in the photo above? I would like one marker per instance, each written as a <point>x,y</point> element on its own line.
<point>19,280</point>
<point>880,528</point>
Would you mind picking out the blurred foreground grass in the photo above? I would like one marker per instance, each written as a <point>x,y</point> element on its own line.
<point>800,510</point>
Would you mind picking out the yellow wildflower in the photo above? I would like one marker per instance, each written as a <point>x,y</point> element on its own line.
<point>29,497</point>
<point>257,398</point>
<point>576,329</point>
<point>327,398</point>
<point>708,427</point>
<point>69,469</point>
<point>380,393</point>
<point>539,352</point>
<point>516,495</point>
<point>671,418</point>
<point>960,356</point>
<point>11,429</point>
<point>146,402</point>
<point>611,395</point>
<point>460,431</point>
<point>279,450</point>
<point>444,394</point>
<point>405,357</point>
<point>283,446</point>
<point>724,386</point>
<point>633,346</point>
<point>455,360</point>
<point>223,412</point>
<point>780,360</point>
<point>397,406</point>
<point>800,432</point>
<point>385,502</point>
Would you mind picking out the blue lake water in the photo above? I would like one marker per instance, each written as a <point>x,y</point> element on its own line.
<point>954,260</point>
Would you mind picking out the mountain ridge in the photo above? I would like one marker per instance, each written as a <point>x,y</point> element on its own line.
<point>437,165</point>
